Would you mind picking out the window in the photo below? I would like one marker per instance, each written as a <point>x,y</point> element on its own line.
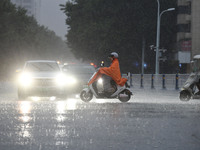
<point>184,27</point>
<point>184,10</point>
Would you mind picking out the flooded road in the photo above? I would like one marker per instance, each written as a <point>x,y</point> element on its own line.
<point>151,120</point>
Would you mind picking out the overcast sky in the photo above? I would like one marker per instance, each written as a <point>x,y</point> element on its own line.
<point>52,17</point>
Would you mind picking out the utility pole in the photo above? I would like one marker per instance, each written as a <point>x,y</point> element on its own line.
<point>143,49</point>
<point>157,39</point>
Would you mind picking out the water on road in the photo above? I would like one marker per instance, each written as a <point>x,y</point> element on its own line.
<point>152,119</point>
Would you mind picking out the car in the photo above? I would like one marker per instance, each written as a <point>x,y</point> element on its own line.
<point>42,78</point>
<point>81,73</point>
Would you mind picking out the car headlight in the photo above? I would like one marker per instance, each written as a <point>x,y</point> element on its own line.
<point>71,80</point>
<point>25,79</point>
<point>61,80</point>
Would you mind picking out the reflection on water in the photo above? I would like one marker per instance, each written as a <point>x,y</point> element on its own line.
<point>63,106</point>
<point>100,101</point>
<point>61,132</point>
<point>25,128</point>
<point>71,104</point>
<point>35,98</point>
<point>46,120</point>
<point>52,98</point>
<point>60,118</point>
<point>24,131</point>
<point>25,118</point>
<point>60,107</point>
<point>24,107</point>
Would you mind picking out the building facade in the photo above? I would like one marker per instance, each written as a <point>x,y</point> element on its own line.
<point>195,18</point>
<point>32,7</point>
<point>188,30</point>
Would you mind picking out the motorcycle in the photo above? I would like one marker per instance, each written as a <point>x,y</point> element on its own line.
<point>105,87</point>
<point>189,89</point>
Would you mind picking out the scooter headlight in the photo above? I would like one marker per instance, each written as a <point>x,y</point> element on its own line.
<point>25,79</point>
<point>100,81</point>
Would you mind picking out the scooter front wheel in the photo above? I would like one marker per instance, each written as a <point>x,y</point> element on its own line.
<point>185,95</point>
<point>86,96</point>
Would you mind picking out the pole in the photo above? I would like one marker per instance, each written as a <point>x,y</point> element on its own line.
<point>152,81</point>
<point>157,39</point>
<point>158,36</point>
<point>143,49</point>
<point>131,80</point>
<point>141,81</point>
<point>163,84</point>
<point>177,77</point>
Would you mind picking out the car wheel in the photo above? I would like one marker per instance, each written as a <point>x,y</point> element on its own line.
<point>86,96</point>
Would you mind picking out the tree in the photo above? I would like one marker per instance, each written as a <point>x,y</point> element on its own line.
<point>98,27</point>
<point>21,39</point>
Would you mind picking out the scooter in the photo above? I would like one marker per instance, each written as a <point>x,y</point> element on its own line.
<point>97,88</point>
<point>188,91</point>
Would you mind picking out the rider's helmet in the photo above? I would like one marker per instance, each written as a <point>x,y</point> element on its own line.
<point>114,54</point>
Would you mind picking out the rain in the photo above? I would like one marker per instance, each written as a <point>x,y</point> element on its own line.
<point>111,75</point>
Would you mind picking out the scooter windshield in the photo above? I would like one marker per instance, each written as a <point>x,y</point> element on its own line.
<point>196,65</point>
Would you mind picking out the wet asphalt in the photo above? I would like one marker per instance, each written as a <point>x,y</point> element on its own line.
<point>151,120</point>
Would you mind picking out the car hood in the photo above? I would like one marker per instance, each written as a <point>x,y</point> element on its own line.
<point>44,74</point>
<point>82,76</point>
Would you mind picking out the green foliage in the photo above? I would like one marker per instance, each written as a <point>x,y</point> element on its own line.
<point>21,39</point>
<point>98,27</point>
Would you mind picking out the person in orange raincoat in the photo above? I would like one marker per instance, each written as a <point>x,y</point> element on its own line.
<point>113,71</point>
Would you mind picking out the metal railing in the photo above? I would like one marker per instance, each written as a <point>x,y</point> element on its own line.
<point>161,81</point>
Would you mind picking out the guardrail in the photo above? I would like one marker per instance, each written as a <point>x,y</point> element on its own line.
<point>161,81</point>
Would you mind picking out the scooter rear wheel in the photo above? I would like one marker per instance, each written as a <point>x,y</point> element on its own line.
<point>127,97</point>
<point>86,97</point>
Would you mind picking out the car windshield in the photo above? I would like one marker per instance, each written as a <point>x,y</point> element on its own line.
<point>42,67</point>
<point>79,68</point>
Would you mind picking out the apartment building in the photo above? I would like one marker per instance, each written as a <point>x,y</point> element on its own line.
<point>32,7</point>
<point>188,30</point>
<point>195,17</point>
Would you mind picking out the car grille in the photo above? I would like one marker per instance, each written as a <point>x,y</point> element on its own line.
<point>44,82</point>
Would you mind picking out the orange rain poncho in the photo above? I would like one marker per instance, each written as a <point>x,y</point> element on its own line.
<point>113,71</point>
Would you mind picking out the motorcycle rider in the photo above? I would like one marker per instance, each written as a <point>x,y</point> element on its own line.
<point>196,71</point>
<point>113,71</point>
<point>194,78</point>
